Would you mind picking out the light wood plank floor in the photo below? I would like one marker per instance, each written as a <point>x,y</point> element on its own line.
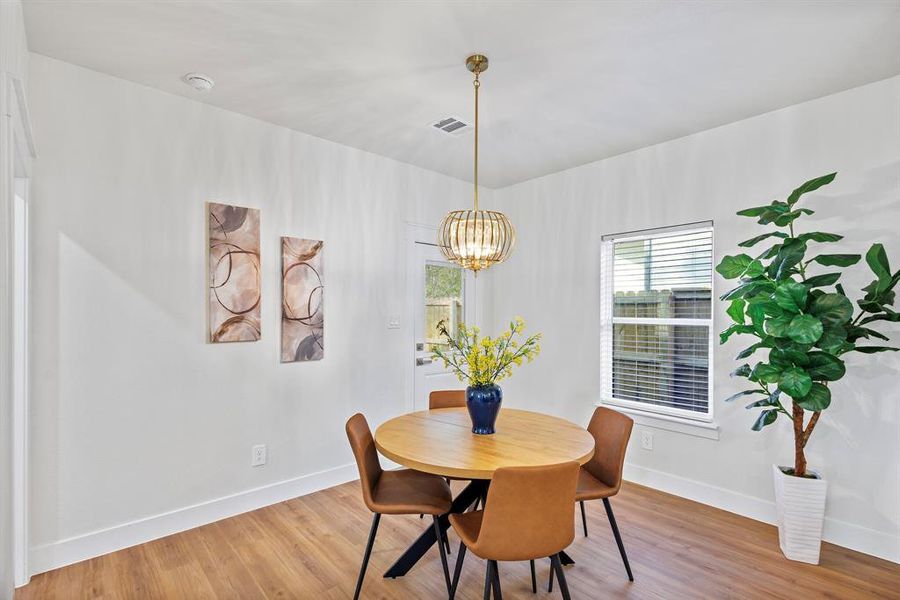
<point>310,547</point>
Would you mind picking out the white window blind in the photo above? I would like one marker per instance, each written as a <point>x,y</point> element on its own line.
<point>656,319</point>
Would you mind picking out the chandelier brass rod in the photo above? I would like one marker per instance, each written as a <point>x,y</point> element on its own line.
<point>477,84</point>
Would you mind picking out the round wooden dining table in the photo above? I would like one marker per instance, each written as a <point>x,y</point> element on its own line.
<point>441,442</point>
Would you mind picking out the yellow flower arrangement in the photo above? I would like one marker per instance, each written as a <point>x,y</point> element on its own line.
<point>479,361</point>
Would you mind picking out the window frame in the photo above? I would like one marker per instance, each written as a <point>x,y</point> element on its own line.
<point>608,322</point>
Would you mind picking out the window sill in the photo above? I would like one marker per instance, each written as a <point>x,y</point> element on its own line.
<point>701,429</point>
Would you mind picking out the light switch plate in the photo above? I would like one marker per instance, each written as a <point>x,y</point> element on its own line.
<point>647,440</point>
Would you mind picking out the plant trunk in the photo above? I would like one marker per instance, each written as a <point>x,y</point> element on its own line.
<point>799,443</point>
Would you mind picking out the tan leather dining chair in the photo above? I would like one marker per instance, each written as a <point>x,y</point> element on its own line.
<point>529,514</point>
<point>601,477</point>
<point>401,492</point>
<point>447,399</point>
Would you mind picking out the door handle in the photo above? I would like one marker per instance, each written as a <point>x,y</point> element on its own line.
<point>423,361</point>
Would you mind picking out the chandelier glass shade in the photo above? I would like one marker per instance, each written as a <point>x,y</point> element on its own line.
<point>476,239</point>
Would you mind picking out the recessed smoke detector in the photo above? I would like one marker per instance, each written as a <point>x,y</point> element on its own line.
<point>199,81</point>
<point>451,125</point>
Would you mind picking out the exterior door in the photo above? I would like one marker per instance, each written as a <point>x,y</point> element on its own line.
<point>445,292</point>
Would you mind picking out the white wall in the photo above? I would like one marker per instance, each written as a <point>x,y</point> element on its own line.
<point>553,281</point>
<point>134,415</point>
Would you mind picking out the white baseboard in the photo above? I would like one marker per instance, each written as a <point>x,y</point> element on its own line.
<point>841,533</point>
<point>96,543</point>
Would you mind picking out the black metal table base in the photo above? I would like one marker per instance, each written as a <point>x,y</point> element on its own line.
<point>473,491</point>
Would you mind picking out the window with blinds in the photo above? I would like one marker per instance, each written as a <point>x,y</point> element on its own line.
<point>656,307</point>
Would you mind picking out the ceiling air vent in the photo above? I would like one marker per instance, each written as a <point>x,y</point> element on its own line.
<point>451,125</point>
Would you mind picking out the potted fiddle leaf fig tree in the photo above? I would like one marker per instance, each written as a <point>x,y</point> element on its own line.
<point>790,299</point>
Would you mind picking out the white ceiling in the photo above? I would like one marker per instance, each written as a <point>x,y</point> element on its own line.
<point>569,82</point>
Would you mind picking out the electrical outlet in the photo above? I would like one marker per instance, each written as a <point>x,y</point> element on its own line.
<point>258,455</point>
<point>647,440</point>
<point>394,321</point>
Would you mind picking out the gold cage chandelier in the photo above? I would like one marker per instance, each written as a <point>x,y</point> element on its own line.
<point>476,239</point>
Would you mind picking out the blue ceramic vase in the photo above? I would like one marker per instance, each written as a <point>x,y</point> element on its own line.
<point>483,402</point>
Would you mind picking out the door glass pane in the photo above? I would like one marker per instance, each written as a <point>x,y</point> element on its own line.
<point>444,301</point>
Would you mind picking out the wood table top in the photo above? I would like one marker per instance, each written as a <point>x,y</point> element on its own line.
<point>441,441</point>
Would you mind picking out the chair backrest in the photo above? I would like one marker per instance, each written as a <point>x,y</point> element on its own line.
<point>530,512</point>
<point>447,399</point>
<point>611,431</point>
<point>363,445</point>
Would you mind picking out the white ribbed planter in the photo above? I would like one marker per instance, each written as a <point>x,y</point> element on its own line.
<point>800,508</point>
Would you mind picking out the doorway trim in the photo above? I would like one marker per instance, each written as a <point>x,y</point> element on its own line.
<point>415,234</point>
<point>15,171</point>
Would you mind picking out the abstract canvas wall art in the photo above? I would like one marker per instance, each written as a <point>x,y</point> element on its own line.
<point>234,273</point>
<point>302,300</point>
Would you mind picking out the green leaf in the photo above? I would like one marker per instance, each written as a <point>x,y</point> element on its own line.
<point>804,329</point>
<point>869,306</point>
<point>765,372</point>
<point>742,394</point>
<point>723,337</point>
<point>832,309</point>
<point>758,403</point>
<point>736,311</point>
<point>809,186</point>
<point>857,332</point>
<point>791,296</point>
<point>822,280</point>
<point>823,366</point>
<point>788,356</point>
<point>878,262</point>
<point>874,349</point>
<point>748,351</point>
<point>753,241</point>
<point>789,256</point>
<point>767,254</point>
<point>887,315</point>
<point>748,288</point>
<point>778,326</point>
<point>794,382</point>
<point>766,417</point>
<point>820,236</point>
<point>732,267</point>
<point>757,313</point>
<point>833,339</point>
<point>837,260</point>
<point>789,217</point>
<point>772,212</point>
<point>741,371</point>
<point>818,398</point>
<point>752,212</point>
<point>754,269</point>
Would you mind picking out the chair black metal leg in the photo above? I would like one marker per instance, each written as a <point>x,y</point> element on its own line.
<point>615,530</point>
<point>550,585</point>
<point>440,536</point>
<point>423,543</point>
<point>533,578</point>
<point>583,518</point>
<point>460,557</point>
<point>563,585</point>
<point>498,595</point>
<point>488,579</point>
<point>376,518</point>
